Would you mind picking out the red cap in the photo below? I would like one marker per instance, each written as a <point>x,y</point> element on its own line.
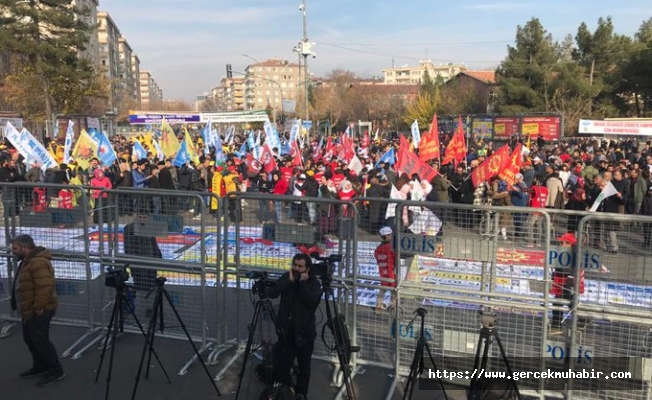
<point>567,238</point>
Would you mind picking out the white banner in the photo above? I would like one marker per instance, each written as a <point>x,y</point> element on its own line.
<point>609,190</point>
<point>416,134</point>
<point>289,105</point>
<point>29,147</point>
<point>625,128</point>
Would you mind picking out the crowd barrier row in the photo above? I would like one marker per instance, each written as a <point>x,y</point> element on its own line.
<point>452,260</point>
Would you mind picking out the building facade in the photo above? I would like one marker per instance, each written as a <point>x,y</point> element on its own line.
<point>135,72</point>
<point>129,82</point>
<point>230,94</point>
<point>269,82</point>
<point>151,95</point>
<point>407,75</point>
<point>109,56</point>
<point>92,50</point>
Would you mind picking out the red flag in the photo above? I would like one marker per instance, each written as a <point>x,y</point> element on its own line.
<point>456,149</point>
<point>514,165</point>
<point>267,159</point>
<point>429,147</point>
<point>366,140</point>
<point>409,163</point>
<point>491,166</point>
<point>296,154</point>
<point>316,152</point>
<point>328,154</point>
<point>253,165</point>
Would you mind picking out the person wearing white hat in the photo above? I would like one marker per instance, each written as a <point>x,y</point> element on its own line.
<point>385,258</point>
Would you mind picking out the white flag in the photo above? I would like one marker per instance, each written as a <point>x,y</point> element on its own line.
<point>416,134</point>
<point>609,190</point>
<point>356,165</point>
<point>395,194</point>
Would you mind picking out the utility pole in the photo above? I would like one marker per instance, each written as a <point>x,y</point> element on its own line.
<point>304,48</point>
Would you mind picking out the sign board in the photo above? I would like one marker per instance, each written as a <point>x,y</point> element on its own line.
<point>625,128</point>
<point>157,118</point>
<point>307,124</point>
<point>548,127</point>
<point>482,128</point>
<point>506,127</point>
<point>417,244</point>
<point>564,258</point>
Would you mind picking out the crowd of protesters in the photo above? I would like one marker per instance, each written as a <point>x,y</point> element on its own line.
<point>569,174</point>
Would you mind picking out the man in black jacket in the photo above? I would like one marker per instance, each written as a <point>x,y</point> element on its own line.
<point>300,292</point>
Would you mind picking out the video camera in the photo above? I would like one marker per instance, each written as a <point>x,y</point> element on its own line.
<point>262,282</point>
<point>116,277</point>
<point>325,268</point>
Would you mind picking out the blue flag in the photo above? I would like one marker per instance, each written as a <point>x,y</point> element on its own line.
<point>182,156</point>
<point>388,157</point>
<point>219,150</point>
<point>105,151</point>
<point>242,154</point>
<point>206,136</point>
<point>95,135</point>
<point>139,151</point>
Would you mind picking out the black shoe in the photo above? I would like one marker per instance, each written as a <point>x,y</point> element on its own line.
<point>32,373</point>
<point>49,379</point>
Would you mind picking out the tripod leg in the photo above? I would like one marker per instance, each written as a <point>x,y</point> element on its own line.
<point>476,363</point>
<point>507,365</point>
<point>414,371</point>
<point>106,339</point>
<point>148,342</point>
<point>131,310</point>
<point>434,366</point>
<point>183,326</point>
<point>116,323</point>
<point>157,312</point>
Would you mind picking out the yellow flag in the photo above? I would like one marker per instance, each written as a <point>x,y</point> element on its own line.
<point>85,149</point>
<point>148,141</point>
<point>190,146</point>
<point>52,149</point>
<point>169,142</point>
<point>529,141</point>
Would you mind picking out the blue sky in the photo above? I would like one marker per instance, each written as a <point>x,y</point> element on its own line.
<point>187,43</point>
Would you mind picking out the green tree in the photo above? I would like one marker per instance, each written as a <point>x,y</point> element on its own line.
<point>636,86</point>
<point>48,36</point>
<point>524,77</point>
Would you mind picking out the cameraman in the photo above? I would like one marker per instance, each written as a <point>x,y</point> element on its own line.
<point>300,292</point>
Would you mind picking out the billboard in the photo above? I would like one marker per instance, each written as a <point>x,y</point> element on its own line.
<point>482,128</point>
<point>548,127</point>
<point>630,128</point>
<point>506,127</point>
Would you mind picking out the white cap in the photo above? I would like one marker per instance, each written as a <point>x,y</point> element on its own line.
<point>536,159</point>
<point>385,231</point>
<point>302,176</point>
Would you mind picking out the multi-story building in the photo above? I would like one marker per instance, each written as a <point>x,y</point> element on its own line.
<point>230,94</point>
<point>407,75</point>
<point>108,39</point>
<point>129,82</point>
<point>92,50</point>
<point>135,72</point>
<point>267,83</point>
<point>151,96</point>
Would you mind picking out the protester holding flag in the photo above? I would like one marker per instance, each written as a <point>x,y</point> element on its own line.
<point>603,198</point>
<point>98,183</point>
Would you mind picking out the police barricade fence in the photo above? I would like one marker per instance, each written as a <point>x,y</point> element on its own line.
<point>466,258</point>
<point>609,326</point>
<point>262,234</point>
<point>163,239</point>
<point>56,217</point>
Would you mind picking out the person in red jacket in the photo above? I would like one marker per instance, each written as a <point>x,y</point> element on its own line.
<point>563,284</point>
<point>385,258</point>
<point>538,198</point>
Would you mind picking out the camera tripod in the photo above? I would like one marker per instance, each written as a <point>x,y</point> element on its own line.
<point>337,326</point>
<point>262,305</point>
<point>157,313</point>
<point>417,366</point>
<point>117,323</point>
<point>487,335</point>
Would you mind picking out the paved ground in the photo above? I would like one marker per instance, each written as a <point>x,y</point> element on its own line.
<point>79,384</point>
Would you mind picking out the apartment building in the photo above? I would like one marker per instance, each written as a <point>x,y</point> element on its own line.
<point>151,95</point>
<point>129,82</point>
<point>267,83</point>
<point>109,56</point>
<point>135,72</point>
<point>92,50</point>
<point>230,94</point>
<point>407,75</point>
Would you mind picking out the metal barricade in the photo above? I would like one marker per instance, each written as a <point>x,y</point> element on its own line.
<point>57,218</point>
<point>159,234</point>
<point>262,233</point>
<point>457,269</point>
<point>608,328</point>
